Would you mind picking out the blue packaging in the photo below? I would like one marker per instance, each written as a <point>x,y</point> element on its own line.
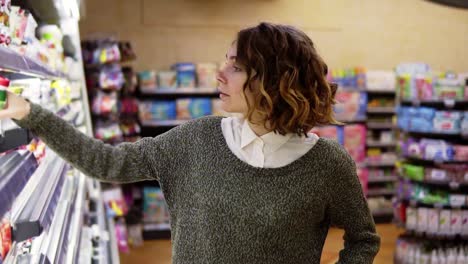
<point>419,124</point>
<point>403,123</point>
<point>362,112</point>
<point>412,112</point>
<point>427,113</point>
<point>163,110</point>
<point>200,107</point>
<point>186,75</point>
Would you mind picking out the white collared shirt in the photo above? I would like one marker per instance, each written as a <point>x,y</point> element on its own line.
<point>268,151</point>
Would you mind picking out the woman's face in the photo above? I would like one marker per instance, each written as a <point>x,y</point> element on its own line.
<point>231,79</point>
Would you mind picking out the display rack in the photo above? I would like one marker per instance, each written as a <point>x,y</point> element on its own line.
<point>380,145</point>
<point>46,205</point>
<point>155,127</point>
<point>431,202</point>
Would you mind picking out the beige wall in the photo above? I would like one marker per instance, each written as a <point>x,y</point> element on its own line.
<point>377,34</point>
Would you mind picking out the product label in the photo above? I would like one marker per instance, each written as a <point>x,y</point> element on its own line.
<point>438,175</point>
<point>444,222</point>
<point>464,222</point>
<point>456,221</point>
<point>433,223</point>
<point>422,219</point>
<point>411,218</point>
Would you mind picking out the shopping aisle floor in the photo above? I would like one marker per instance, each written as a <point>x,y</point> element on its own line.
<point>159,251</point>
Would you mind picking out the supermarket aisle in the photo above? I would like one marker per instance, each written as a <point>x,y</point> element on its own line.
<point>159,251</point>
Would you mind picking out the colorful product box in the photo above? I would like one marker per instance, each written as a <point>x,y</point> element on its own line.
<point>355,141</point>
<point>148,81</point>
<point>330,132</point>
<point>157,110</point>
<point>206,75</point>
<point>186,75</point>
<point>167,79</point>
<point>464,223</point>
<point>154,206</point>
<point>351,105</point>
<point>190,108</point>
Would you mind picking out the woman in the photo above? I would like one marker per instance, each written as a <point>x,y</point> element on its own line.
<point>257,189</point>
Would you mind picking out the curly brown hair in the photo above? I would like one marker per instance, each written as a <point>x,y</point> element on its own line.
<point>286,77</point>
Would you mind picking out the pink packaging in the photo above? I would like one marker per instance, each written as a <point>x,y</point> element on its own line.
<point>355,141</point>
<point>464,223</point>
<point>363,175</point>
<point>330,132</point>
<point>461,153</point>
<point>456,221</point>
<point>424,87</point>
<point>433,221</point>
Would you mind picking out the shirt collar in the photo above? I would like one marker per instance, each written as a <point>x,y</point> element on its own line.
<point>247,134</point>
<point>272,141</point>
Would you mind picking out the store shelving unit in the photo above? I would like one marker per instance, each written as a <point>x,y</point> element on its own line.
<point>381,186</point>
<point>156,127</point>
<point>436,206</point>
<point>46,204</point>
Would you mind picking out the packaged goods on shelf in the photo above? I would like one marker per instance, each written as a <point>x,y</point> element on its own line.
<point>436,221</point>
<point>157,110</point>
<point>427,119</point>
<point>380,81</point>
<point>101,52</point>
<point>167,79</point>
<point>351,105</point>
<point>419,82</point>
<point>381,102</point>
<point>111,77</point>
<point>431,195</point>
<point>433,149</point>
<point>114,201</point>
<point>410,250</point>
<point>376,155</point>
<point>5,14</point>
<point>355,141</point>
<point>353,78</point>
<point>108,131</point>
<point>352,137</point>
<point>191,108</point>
<point>363,175</point>
<point>154,207</point>
<point>104,103</point>
<point>147,81</point>
<point>330,132</point>
<point>456,173</point>
<point>186,75</point>
<point>380,136</point>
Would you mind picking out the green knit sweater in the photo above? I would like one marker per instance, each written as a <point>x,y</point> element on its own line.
<point>222,209</point>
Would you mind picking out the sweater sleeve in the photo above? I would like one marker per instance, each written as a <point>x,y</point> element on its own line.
<point>349,210</point>
<point>127,162</point>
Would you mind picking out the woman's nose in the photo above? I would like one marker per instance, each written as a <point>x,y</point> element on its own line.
<point>220,76</point>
